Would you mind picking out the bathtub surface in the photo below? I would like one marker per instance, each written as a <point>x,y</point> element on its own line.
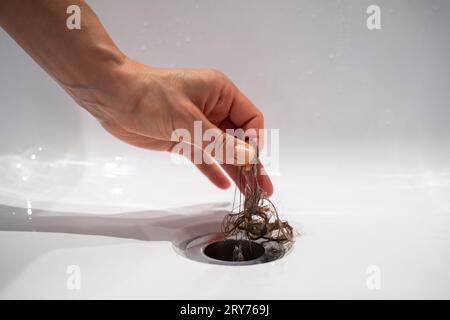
<point>351,220</point>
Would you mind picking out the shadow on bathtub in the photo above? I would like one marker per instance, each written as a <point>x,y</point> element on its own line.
<point>175,225</point>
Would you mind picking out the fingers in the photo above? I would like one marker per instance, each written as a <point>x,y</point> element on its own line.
<point>211,170</point>
<point>214,174</point>
<point>243,114</point>
<point>223,147</point>
<point>239,177</point>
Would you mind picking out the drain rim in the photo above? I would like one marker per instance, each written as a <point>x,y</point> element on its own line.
<point>193,249</point>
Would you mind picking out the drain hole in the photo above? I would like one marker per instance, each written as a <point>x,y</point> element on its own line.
<point>234,250</point>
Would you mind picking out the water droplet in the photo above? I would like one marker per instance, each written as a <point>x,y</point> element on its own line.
<point>331,56</point>
<point>145,24</point>
<point>18,165</point>
<point>40,149</point>
<point>187,39</point>
<point>33,157</point>
<point>24,178</point>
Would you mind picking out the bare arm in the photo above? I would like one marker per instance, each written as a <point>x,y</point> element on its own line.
<point>70,56</point>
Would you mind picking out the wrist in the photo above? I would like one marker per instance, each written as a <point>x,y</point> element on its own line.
<point>129,84</point>
<point>96,86</point>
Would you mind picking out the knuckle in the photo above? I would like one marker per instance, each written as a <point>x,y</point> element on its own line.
<point>216,74</point>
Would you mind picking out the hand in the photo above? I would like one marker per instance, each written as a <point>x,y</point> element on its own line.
<point>136,103</point>
<point>143,106</point>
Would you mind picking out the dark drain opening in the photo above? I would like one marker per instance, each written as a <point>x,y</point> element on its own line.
<point>234,250</point>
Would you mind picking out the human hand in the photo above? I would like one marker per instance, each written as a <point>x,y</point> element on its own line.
<point>143,106</point>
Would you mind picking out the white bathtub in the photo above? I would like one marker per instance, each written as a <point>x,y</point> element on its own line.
<point>364,170</point>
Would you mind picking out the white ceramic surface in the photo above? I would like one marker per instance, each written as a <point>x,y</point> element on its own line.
<point>364,169</point>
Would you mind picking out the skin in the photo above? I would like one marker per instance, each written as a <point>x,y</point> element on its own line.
<point>138,104</point>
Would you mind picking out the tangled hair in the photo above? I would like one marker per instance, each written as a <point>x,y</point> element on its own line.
<point>258,218</point>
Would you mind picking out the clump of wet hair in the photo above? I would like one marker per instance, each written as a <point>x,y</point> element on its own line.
<point>256,218</point>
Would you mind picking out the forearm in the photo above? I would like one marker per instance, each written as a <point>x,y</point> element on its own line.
<point>75,58</point>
